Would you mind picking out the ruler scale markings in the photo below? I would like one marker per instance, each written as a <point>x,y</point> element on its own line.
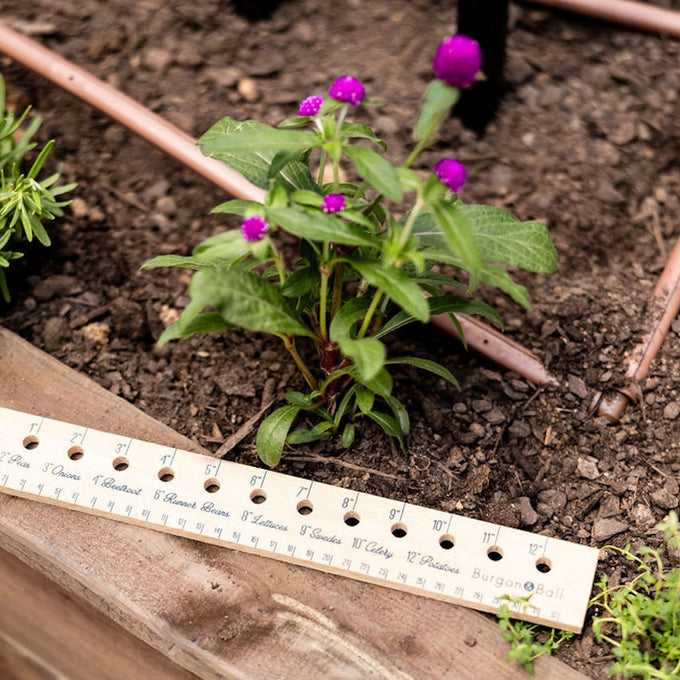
<point>374,539</point>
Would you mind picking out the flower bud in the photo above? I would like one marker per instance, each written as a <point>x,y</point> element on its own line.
<point>348,89</point>
<point>310,106</point>
<point>451,173</point>
<point>333,203</point>
<point>254,228</point>
<point>458,61</point>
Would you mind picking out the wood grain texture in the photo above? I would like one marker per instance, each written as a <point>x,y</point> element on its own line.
<point>221,613</point>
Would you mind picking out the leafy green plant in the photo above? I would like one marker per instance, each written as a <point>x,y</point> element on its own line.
<point>370,252</point>
<point>528,641</point>
<point>641,618</point>
<point>25,201</point>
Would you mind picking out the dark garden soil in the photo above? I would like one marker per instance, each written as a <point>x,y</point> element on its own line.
<point>587,141</point>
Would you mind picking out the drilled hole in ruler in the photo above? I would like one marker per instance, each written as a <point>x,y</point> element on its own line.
<point>544,565</point>
<point>212,485</point>
<point>166,474</point>
<point>305,507</point>
<point>121,463</point>
<point>75,452</point>
<point>399,530</point>
<point>494,553</point>
<point>258,496</point>
<point>31,442</point>
<point>447,541</point>
<point>351,518</point>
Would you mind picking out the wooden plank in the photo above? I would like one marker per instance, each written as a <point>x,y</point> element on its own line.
<point>68,639</point>
<point>221,613</point>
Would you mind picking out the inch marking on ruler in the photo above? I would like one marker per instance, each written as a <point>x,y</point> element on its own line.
<point>369,538</point>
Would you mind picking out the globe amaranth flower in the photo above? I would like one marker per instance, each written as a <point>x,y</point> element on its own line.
<point>348,89</point>
<point>333,203</point>
<point>458,61</point>
<point>254,228</point>
<point>310,106</point>
<point>451,173</point>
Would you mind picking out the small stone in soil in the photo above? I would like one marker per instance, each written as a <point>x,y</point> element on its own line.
<point>605,528</point>
<point>528,516</point>
<point>663,499</point>
<point>587,467</point>
<point>551,501</point>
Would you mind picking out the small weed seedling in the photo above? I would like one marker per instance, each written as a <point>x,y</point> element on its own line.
<point>25,201</point>
<point>369,252</point>
<point>640,619</point>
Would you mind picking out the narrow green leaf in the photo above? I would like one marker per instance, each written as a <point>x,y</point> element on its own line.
<point>348,435</point>
<point>174,261</point>
<point>426,365</point>
<point>243,139</point>
<point>397,285</point>
<point>236,207</point>
<point>360,131</point>
<point>188,326</point>
<point>382,383</point>
<point>316,226</point>
<point>368,355</point>
<point>400,414</point>
<point>460,237</point>
<point>300,282</point>
<point>302,436</point>
<point>246,300</point>
<point>344,322</point>
<point>389,425</point>
<point>377,170</point>
<point>365,399</point>
<point>439,98</point>
<point>272,433</point>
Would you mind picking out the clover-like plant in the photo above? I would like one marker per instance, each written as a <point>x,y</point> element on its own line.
<point>25,201</point>
<point>392,248</point>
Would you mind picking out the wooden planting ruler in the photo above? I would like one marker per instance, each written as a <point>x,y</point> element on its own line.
<point>407,547</point>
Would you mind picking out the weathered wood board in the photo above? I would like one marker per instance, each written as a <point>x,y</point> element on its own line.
<point>215,612</point>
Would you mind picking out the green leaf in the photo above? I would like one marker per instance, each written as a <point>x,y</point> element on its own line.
<point>365,399</point>
<point>403,290</point>
<point>348,435</point>
<point>460,237</point>
<point>236,207</point>
<point>302,436</point>
<point>272,433</point>
<point>317,226</point>
<point>300,282</point>
<point>400,413</point>
<point>344,322</point>
<point>443,304</point>
<point>246,300</point>
<point>375,169</point>
<point>381,384</point>
<point>244,138</point>
<point>368,355</point>
<point>426,365</point>
<point>192,322</point>
<point>439,98</point>
<point>175,261</point>
<point>225,247</point>
<point>389,424</point>
<point>360,131</point>
<point>254,165</point>
<point>503,238</point>
<point>495,276</point>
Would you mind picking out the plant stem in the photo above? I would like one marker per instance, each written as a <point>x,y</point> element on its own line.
<point>289,343</point>
<point>338,281</point>
<point>323,303</point>
<point>369,313</point>
<point>426,138</point>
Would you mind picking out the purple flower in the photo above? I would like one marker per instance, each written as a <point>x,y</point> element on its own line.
<point>451,173</point>
<point>348,89</point>
<point>254,228</point>
<point>333,203</point>
<point>310,106</point>
<point>457,61</point>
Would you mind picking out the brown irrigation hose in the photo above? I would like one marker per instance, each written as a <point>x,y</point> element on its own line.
<point>125,110</point>
<point>174,142</point>
<point>663,309</point>
<point>636,14</point>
